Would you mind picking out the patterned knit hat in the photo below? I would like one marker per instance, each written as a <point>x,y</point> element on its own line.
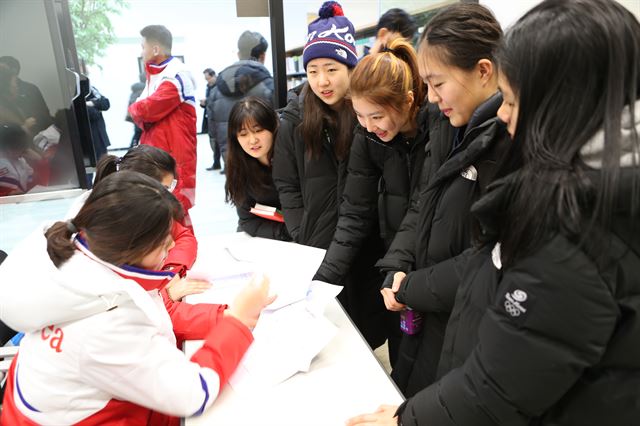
<point>331,36</point>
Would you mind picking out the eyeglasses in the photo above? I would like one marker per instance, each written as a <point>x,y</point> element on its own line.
<point>172,185</point>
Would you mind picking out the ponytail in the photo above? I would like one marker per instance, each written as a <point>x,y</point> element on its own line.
<point>107,165</point>
<point>145,159</point>
<point>126,216</point>
<point>59,244</point>
<point>385,78</point>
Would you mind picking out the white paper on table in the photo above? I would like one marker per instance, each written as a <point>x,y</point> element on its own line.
<point>291,287</point>
<point>286,341</point>
<point>319,295</point>
<point>223,289</point>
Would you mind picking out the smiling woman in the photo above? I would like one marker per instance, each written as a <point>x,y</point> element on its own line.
<point>311,156</point>
<point>385,160</point>
<point>252,125</point>
<point>456,61</point>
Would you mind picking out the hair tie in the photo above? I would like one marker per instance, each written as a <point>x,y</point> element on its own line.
<point>71,227</point>
<point>118,161</point>
<point>386,49</point>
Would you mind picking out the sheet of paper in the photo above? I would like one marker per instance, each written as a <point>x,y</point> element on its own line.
<point>319,295</point>
<point>223,288</point>
<point>286,341</point>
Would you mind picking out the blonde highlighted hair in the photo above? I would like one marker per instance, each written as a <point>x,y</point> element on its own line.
<point>385,78</point>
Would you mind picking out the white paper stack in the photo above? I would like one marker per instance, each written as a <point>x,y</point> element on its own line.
<point>286,341</point>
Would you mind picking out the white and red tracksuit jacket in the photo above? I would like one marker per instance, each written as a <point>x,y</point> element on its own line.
<point>166,111</point>
<point>100,344</point>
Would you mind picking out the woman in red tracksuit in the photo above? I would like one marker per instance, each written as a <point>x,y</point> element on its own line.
<point>99,345</point>
<point>161,166</point>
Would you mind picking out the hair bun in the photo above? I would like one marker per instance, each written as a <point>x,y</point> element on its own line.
<point>329,9</point>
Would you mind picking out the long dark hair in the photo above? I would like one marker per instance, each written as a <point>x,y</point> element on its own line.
<point>573,66</point>
<point>245,174</point>
<point>126,216</point>
<point>319,117</point>
<point>462,34</point>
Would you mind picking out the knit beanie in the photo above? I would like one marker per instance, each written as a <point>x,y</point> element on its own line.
<point>331,36</point>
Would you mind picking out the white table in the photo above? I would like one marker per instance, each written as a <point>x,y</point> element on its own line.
<point>345,378</point>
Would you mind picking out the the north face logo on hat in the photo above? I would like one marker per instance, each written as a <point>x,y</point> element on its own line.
<point>341,52</point>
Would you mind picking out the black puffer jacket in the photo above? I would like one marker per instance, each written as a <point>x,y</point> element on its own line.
<point>382,176</point>
<point>310,192</point>
<point>444,228</point>
<point>310,188</point>
<point>257,226</point>
<point>551,340</point>
<point>236,82</point>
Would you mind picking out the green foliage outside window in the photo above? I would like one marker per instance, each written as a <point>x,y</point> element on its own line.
<point>92,27</point>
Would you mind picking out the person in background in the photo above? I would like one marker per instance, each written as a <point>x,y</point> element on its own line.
<point>16,175</point>
<point>210,76</point>
<point>310,162</point>
<point>29,97</point>
<point>548,328</point>
<point>246,77</point>
<point>252,125</point>
<point>136,90</point>
<point>96,103</point>
<point>393,23</point>
<point>166,110</point>
<point>10,110</point>
<point>389,99</point>
<point>159,165</point>
<point>98,330</point>
<point>456,58</point>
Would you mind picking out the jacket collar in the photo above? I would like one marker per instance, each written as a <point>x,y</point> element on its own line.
<point>147,279</point>
<point>485,111</point>
<point>153,68</point>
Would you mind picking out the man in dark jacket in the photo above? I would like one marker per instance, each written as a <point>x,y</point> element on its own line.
<point>210,76</point>
<point>136,90</point>
<point>247,77</point>
<point>30,100</point>
<point>96,103</point>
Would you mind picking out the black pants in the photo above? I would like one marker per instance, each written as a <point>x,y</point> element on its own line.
<point>215,147</point>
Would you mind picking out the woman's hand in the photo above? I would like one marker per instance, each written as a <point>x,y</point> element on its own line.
<point>251,300</point>
<point>384,416</point>
<point>181,287</point>
<point>389,294</point>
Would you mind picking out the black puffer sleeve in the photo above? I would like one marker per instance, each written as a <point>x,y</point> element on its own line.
<point>286,176</point>
<point>357,212</point>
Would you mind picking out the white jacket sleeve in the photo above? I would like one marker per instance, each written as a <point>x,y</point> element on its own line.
<point>130,359</point>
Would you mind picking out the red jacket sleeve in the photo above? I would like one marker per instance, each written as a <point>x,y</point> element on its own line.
<point>155,107</point>
<point>192,322</point>
<point>183,254</point>
<point>224,347</point>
